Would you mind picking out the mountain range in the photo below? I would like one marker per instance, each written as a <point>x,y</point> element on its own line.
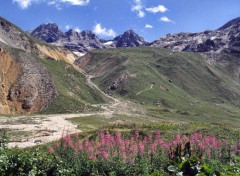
<point>41,71</point>
<point>225,38</point>
<point>82,42</point>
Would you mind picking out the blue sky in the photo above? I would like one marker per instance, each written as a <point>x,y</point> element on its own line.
<point>151,19</point>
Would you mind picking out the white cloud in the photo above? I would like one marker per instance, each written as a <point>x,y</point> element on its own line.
<point>99,30</point>
<point>76,2</point>
<point>77,29</point>
<point>166,19</point>
<point>24,4</point>
<point>157,9</point>
<point>67,27</point>
<point>148,26</point>
<point>138,7</point>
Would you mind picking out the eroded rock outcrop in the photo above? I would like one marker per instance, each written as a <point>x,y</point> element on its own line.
<point>26,86</point>
<point>9,72</point>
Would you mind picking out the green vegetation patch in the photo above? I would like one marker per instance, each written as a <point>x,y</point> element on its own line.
<point>74,94</point>
<point>183,84</point>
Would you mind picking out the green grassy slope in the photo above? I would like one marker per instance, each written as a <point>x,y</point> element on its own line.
<point>174,86</point>
<point>74,94</point>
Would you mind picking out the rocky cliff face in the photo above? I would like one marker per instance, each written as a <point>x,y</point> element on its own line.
<point>26,86</point>
<point>226,38</point>
<point>9,71</point>
<point>81,42</point>
<point>129,39</point>
<point>47,32</point>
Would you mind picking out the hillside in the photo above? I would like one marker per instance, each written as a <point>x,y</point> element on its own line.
<point>35,76</point>
<point>180,85</point>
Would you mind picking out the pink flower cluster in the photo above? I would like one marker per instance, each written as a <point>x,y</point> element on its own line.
<point>236,148</point>
<point>108,146</point>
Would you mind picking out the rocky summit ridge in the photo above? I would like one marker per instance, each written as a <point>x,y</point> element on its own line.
<point>225,38</point>
<point>84,41</point>
<point>129,39</point>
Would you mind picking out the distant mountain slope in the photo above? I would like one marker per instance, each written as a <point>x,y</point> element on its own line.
<point>182,82</point>
<point>226,38</point>
<point>36,76</point>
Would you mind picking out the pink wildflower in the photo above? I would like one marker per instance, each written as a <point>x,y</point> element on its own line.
<point>141,148</point>
<point>90,149</point>
<point>136,134</point>
<point>105,154</point>
<point>145,140</point>
<point>152,149</point>
<point>178,138</point>
<point>208,153</point>
<point>185,139</point>
<point>134,149</point>
<point>149,138</point>
<point>57,145</point>
<point>218,144</point>
<point>158,135</point>
<point>92,157</point>
<point>79,145</point>
<point>51,150</point>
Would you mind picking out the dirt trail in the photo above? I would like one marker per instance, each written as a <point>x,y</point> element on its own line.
<point>145,90</point>
<point>41,129</point>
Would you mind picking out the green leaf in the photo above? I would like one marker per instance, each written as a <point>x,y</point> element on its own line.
<point>205,168</point>
<point>172,168</point>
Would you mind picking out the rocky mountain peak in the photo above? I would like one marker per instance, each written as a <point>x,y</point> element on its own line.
<point>130,32</point>
<point>87,34</point>
<point>233,23</point>
<point>72,32</point>
<point>129,39</point>
<point>72,35</point>
<point>47,32</point>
